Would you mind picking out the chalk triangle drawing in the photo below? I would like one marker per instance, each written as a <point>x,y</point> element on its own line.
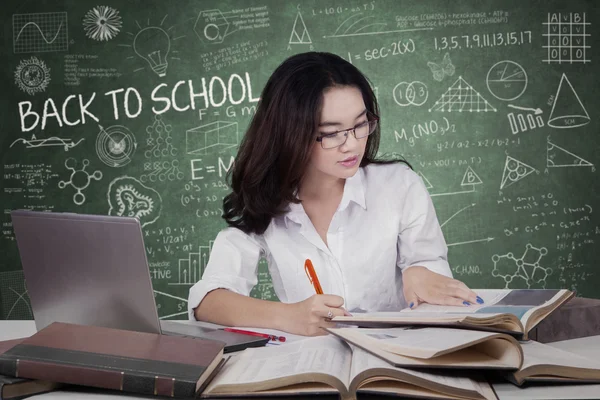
<point>299,32</point>
<point>462,97</point>
<point>428,184</point>
<point>556,157</point>
<point>470,178</point>
<point>514,171</point>
<point>567,110</point>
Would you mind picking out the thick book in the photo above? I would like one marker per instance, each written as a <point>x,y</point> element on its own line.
<point>510,311</point>
<point>326,365</point>
<point>137,362</point>
<point>437,347</point>
<point>544,363</point>
<point>19,388</point>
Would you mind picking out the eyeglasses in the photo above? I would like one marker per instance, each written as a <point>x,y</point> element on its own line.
<point>336,139</point>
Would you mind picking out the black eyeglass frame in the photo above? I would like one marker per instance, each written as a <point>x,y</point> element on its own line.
<point>346,132</point>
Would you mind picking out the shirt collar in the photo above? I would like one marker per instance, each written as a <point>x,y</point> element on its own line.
<point>354,190</point>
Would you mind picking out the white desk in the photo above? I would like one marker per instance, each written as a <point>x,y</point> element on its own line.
<point>587,347</point>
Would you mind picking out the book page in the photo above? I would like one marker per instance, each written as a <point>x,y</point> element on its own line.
<point>538,353</point>
<point>323,354</point>
<point>419,343</point>
<point>412,316</point>
<point>490,297</point>
<point>363,361</point>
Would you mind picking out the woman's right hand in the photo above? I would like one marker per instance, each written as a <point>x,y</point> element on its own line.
<point>309,317</point>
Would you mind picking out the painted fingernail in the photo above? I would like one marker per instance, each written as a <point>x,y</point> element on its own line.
<point>479,300</point>
<point>466,303</point>
<point>411,305</point>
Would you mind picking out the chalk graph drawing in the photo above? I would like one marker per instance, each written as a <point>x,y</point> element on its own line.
<point>557,157</point>
<point>34,142</point>
<point>115,145</point>
<point>102,23</point>
<point>461,97</point>
<point>299,33</point>
<point>506,80</point>
<point>360,25</point>
<point>191,268</point>
<point>211,26</point>
<point>514,171</point>
<point>14,298</point>
<point>567,109</point>
<point>524,272</point>
<point>129,197</point>
<point>220,134</point>
<point>32,75</point>
<point>527,118</point>
<point>439,71</point>
<point>40,32</point>
<point>80,179</point>
<point>153,45</point>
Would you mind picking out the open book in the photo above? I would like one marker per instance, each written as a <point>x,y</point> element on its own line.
<point>437,347</point>
<point>545,363</point>
<point>325,365</point>
<point>515,311</point>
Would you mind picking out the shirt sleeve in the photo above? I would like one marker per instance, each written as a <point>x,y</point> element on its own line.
<point>420,238</point>
<point>232,265</point>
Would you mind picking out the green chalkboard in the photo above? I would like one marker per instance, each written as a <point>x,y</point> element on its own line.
<point>138,107</point>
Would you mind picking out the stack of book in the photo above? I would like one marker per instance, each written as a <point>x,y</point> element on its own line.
<point>430,352</point>
<point>127,361</point>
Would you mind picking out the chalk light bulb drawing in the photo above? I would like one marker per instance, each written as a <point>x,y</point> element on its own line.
<point>153,45</point>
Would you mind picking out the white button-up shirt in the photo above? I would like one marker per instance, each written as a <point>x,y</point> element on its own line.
<point>384,223</point>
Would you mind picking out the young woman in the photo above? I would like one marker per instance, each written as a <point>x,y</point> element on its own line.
<point>306,184</point>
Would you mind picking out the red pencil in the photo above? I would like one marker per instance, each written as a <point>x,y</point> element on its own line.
<point>252,333</point>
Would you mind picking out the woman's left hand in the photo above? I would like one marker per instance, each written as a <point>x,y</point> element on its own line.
<point>424,286</point>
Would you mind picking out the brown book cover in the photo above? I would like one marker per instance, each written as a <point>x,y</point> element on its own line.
<point>128,361</point>
<point>18,388</point>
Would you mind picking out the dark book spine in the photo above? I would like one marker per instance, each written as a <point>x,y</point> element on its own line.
<point>95,377</point>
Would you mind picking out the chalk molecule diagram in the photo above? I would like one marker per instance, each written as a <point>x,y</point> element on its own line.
<point>524,272</point>
<point>80,179</point>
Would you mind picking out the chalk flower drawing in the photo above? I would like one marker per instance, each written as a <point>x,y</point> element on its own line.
<point>32,75</point>
<point>102,23</point>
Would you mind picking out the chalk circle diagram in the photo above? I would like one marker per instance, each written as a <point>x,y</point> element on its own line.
<point>567,109</point>
<point>506,80</point>
<point>514,171</point>
<point>414,93</point>
<point>211,26</point>
<point>32,75</point>
<point>129,197</point>
<point>115,145</point>
<point>102,23</point>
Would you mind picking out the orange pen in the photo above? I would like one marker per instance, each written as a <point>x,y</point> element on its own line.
<point>312,276</point>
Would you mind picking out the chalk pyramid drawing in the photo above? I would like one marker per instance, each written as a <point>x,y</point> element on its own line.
<point>567,110</point>
<point>557,157</point>
<point>299,32</point>
<point>514,171</point>
<point>428,184</point>
<point>470,178</point>
<point>462,97</point>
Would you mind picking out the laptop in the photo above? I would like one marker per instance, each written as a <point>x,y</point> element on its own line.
<point>92,270</point>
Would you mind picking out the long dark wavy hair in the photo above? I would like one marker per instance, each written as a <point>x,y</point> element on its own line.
<point>276,148</point>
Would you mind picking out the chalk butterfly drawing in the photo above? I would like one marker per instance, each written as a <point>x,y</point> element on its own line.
<point>445,68</point>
